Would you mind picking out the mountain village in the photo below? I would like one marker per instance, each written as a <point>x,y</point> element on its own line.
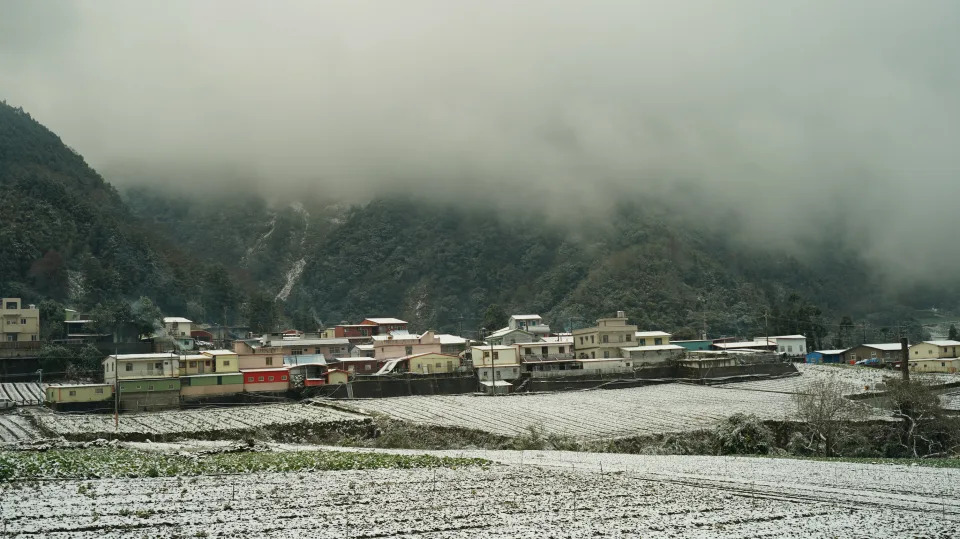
<point>183,363</point>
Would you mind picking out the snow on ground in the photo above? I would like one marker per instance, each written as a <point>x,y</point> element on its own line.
<point>951,399</point>
<point>854,379</point>
<point>184,422</point>
<point>17,428</point>
<point>591,415</point>
<point>25,393</point>
<point>552,494</point>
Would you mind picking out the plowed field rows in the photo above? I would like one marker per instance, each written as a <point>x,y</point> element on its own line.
<point>556,496</point>
<point>185,422</point>
<point>854,379</point>
<point>16,428</point>
<point>23,393</point>
<point>585,414</point>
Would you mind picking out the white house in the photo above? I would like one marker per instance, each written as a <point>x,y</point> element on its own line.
<point>791,345</point>
<point>177,326</point>
<point>531,323</point>
<point>934,350</point>
<point>130,366</point>
<point>509,336</point>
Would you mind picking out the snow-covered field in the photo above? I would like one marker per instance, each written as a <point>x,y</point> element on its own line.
<point>561,495</point>
<point>591,415</point>
<point>16,428</point>
<point>951,399</point>
<point>185,422</point>
<point>854,379</point>
<point>23,393</point>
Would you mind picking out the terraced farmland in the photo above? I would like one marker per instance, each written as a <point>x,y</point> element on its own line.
<point>16,428</point>
<point>590,415</point>
<point>186,423</point>
<point>23,393</point>
<point>553,497</point>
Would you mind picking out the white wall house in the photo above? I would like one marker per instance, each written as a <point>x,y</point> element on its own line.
<point>177,326</point>
<point>652,353</point>
<point>505,361</point>
<point>131,366</point>
<point>531,323</point>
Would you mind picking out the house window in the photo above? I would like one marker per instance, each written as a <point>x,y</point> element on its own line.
<point>783,348</point>
<point>260,378</point>
<point>226,362</point>
<point>943,364</point>
<point>169,386</point>
<point>149,388</point>
<point>408,350</point>
<point>438,364</point>
<point>604,338</point>
<point>23,321</point>
<point>366,367</point>
<point>138,387</point>
<point>270,378</point>
<point>529,351</point>
<point>606,353</point>
<point>544,350</point>
<point>73,393</point>
<point>193,364</point>
<point>269,361</point>
<point>483,374</point>
<point>496,355</point>
<point>486,355</point>
<point>592,339</point>
<point>33,337</point>
<point>206,363</point>
<point>98,390</point>
<point>12,305</point>
<point>593,355</point>
<point>628,364</point>
<point>642,342</point>
<point>129,367</point>
<point>158,366</point>
<point>790,348</point>
<point>629,337</point>
<point>250,379</point>
<point>657,342</point>
<point>562,350</point>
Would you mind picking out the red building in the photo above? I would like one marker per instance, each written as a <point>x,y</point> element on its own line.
<point>265,380</point>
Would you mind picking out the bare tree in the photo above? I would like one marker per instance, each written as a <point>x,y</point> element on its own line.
<point>927,431</point>
<point>826,414</point>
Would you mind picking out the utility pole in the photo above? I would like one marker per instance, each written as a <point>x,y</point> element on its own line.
<point>40,374</point>
<point>905,359</point>
<point>766,332</point>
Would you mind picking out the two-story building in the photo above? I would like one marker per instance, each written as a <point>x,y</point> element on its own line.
<point>504,361</point>
<point>400,343</point>
<point>18,322</point>
<point>605,339</point>
<point>509,336</point>
<point>651,354</point>
<point>144,381</point>
<point>935,349</point>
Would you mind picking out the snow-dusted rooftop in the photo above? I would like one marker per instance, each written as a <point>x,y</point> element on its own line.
<point>386,320</point>
<point>643,334</point>
<point>177,319</point>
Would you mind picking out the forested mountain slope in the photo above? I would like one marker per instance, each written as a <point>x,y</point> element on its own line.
<point>65,232</point>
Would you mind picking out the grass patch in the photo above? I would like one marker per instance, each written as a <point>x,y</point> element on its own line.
<point>927,463</point>
<point>118,463</point>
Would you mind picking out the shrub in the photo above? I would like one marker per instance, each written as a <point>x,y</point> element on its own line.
<point>742,434</point>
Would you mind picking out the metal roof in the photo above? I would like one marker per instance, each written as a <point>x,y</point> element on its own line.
<point>179,319</point>
<point>386,320</point>
<point>653,348</point>
<point>652,334</point>
<point>943,343</point>
<point>526,317</point>
<point>830,352</point>
<point>884,346</point>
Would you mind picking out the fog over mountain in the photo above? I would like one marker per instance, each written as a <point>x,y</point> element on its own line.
<point>800,120</point>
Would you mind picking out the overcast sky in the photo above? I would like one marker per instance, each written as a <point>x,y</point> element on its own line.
<point>795,114</point>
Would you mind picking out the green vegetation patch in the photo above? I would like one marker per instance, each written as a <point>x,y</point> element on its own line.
<point>116,463</point>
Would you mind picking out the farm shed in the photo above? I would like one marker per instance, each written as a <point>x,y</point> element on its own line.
<point>265,380</point>
<point>78,397</point>
<point>337,376</point>
<point>825,356</point>
<point>204,385</point>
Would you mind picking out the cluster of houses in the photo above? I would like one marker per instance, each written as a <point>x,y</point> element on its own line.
<point>278,363</point>
<point>925,356</point>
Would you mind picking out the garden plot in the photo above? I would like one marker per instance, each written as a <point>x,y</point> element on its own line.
<point>16,428</point>
<point>497,501</point>
<point>855,380</point>
<point>23,394</point>
<point>951,399</point>
<point>186,423</point>
<point>589,415</point>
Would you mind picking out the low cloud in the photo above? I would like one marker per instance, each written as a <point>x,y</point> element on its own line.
<point>803,119</point>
